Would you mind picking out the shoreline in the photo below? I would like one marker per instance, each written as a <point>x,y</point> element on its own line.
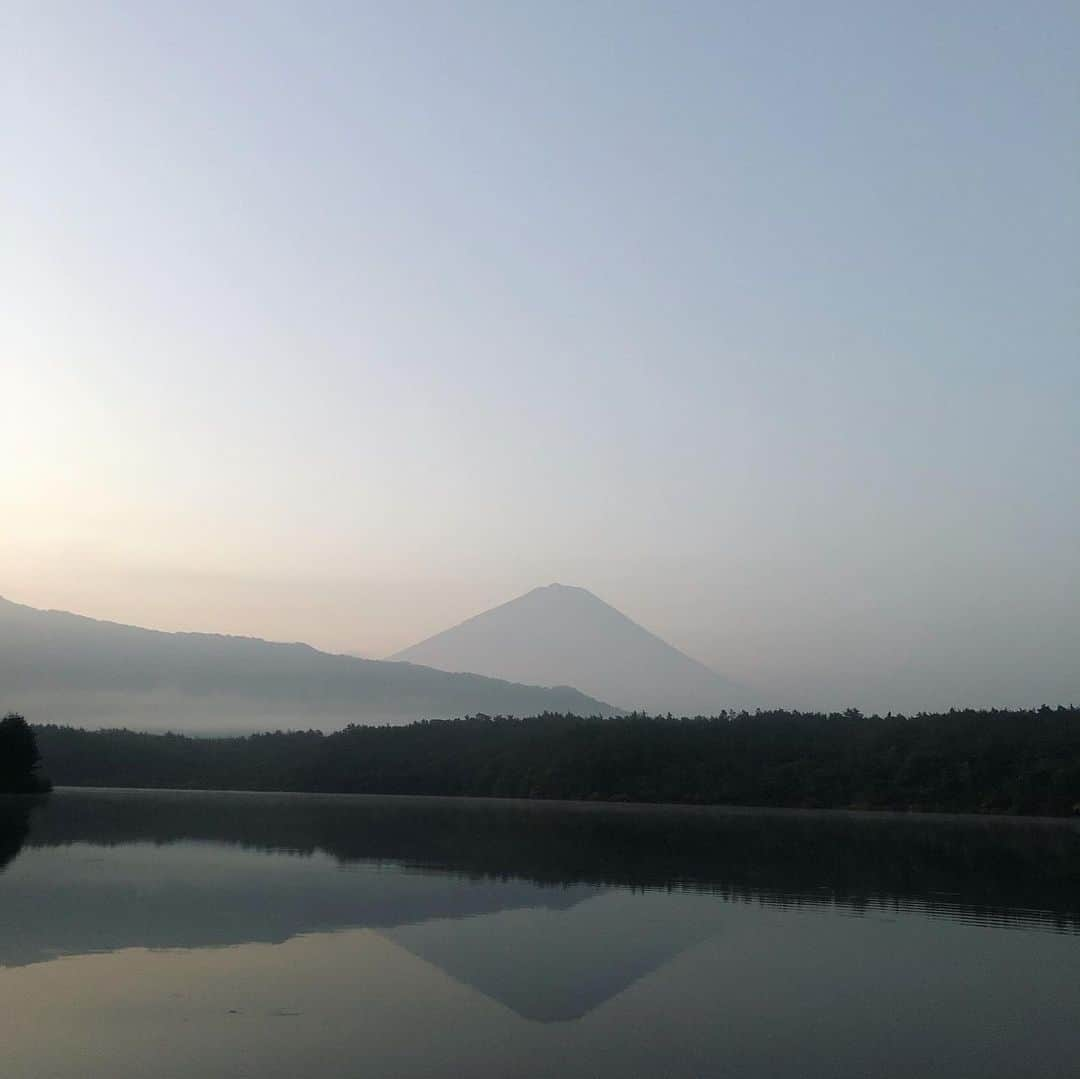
<point>479,801</point>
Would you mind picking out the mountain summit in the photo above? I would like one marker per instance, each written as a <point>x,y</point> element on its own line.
<point>564,636</point>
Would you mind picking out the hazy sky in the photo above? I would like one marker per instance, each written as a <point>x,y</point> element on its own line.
<point>762,321</point>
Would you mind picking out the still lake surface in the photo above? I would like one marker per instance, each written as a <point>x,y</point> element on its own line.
<point>196,934</point>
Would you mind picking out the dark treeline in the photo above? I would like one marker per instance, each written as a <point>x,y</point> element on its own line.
<point>20,759</point>
<point>962,761</point>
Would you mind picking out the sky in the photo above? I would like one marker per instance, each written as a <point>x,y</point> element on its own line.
<point>343,322</point>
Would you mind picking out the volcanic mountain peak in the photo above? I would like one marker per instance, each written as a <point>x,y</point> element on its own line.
<point>564,635</point>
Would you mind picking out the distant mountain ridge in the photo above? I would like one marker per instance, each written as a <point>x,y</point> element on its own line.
<point>563,635</point>
<point>57,667</point>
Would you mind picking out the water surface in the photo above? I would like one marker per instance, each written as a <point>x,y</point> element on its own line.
<point>192,934</point>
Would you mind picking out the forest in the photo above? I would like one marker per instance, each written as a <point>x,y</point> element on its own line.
<point>990,761</point>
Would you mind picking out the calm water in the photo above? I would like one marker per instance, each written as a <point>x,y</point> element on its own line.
<point>168,934</point>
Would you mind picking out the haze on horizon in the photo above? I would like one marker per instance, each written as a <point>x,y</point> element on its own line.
<point>343,323</point>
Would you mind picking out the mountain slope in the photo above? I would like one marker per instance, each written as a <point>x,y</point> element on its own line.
<point>561,635</point>
<point>63,668</point>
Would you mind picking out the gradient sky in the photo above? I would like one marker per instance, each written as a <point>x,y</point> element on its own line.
<point>342,322</point>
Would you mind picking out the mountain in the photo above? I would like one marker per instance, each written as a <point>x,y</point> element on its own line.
<point>57,667</point>
<point>561,635</point>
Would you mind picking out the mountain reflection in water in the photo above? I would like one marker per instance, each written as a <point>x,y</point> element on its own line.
<point>993,869</point>
<point>188,933</point>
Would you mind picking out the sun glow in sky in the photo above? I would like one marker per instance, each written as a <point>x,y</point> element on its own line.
<point>342,322</point>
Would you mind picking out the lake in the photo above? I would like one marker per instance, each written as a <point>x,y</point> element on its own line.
<point>188,934</point>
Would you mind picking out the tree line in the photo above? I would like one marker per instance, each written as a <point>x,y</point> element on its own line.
<point>1004,761</point>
